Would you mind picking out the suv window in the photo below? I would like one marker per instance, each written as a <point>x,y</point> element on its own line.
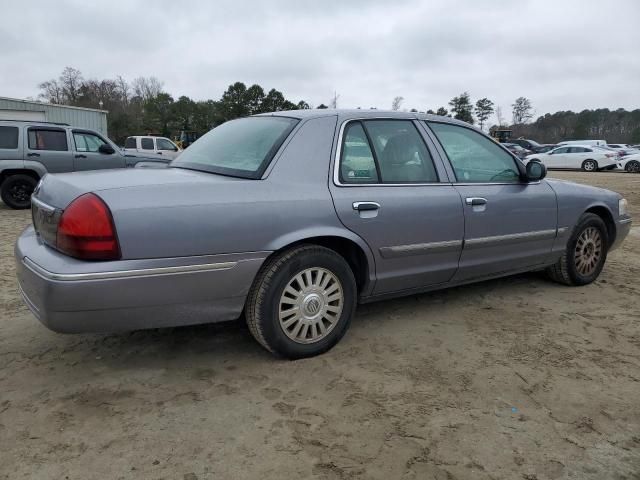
<point>130,142</point>
<point>357,164</point>
<point>9,137</point>
<point>561,150</point>
<point>146,143</point>
<point>42,139</point>
<point>401,153</point>
<point>164,144</point>
<point>474,157</point>
<point>87,142</point>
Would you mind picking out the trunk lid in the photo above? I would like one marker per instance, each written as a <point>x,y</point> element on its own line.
<point>61,189</point>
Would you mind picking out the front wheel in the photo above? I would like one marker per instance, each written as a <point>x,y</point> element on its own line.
<point>586,252</point>
<point>632,166</point>
<point>301,302</point>
<point>16,191</point>
<point>589,165</point>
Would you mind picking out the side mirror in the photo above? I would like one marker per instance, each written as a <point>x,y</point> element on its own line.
<point>106,149</point>
<point>536,171</point>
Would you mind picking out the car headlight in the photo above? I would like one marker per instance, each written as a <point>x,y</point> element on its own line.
<point>622,206</point>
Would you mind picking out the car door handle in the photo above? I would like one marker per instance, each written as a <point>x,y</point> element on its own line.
<point>33,155</point>
<point>365,206</point>
<point>159,153</point>
<point>81,156</point>
<point>475,201</point>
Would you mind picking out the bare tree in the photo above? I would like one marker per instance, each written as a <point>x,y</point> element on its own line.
<point>397,102</point>
<point>71,82</point>
<point>500,117</point>
<point>51,92</point>
<point>146,87</point>
<point>123,90</point>
<point>522,110</point>
<point>334,101</point>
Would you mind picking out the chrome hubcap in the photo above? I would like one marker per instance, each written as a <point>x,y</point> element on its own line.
<point>588,251</point>
<point>310,305</point>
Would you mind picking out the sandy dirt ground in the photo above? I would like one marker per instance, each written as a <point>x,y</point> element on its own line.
<point>517,378</point>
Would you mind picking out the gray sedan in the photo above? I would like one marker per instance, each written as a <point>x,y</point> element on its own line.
<point>293,218</point>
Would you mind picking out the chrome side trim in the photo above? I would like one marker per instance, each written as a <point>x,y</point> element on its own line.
<point>143,272</point>
<point>562,231</point>
<point>624,221</point>
<point>482,242</point>
<point>419,249</point>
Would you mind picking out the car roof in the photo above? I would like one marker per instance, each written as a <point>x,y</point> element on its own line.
<point>346,114</point>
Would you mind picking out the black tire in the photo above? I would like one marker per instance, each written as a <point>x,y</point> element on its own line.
<point>16,191</point>
<point>263,302</point>
<point>565,270</point>
<point>633,166</point>
<point>589,165</point>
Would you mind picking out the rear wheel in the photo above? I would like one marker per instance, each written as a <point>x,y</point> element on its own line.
<point>16,191</point>
<point>632,166</point>
<point>589,165</point>
<point>585,254</point>
<point>302,302</point>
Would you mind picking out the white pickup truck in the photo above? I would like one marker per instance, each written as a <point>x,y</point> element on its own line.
<point>150,145</point>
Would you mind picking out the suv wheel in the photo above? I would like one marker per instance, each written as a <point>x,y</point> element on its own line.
<point>589,165</point>
<point>302,302</point>
<point>586,252</point>
<point>16,191</point>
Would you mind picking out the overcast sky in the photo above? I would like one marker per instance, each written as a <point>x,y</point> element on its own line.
<point>561,54</point>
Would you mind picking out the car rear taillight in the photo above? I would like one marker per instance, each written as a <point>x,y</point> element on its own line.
<point>86,230</point>
<point>609,155</point>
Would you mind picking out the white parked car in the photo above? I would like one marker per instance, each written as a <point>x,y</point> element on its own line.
<point>583,157</point>
<point>630,163</point>
<point>583,142</point>
<point>152,145</point>
<point>623,148</point>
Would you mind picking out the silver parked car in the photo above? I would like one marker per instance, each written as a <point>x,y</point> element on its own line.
<point>295,217</point>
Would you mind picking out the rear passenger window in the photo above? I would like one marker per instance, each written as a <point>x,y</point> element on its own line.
<point>357,164</point>
<point>130,142</point>
<point>385,151</point>
<point>146,143</point>
<point>40,139</point>
<point>474,157</point>
<point>9,137</point>
<point>400,151</point>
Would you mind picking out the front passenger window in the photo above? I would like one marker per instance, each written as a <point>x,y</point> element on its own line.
<point>474,157</point>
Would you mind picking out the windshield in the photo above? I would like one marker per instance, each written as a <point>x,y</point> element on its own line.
<point>240,148</point>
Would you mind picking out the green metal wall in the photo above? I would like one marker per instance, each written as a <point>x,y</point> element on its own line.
<point>75,116</point>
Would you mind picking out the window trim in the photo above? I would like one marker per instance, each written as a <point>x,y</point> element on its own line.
<point>340,147</point>
<point>518,163</point>
<point>48,129</point>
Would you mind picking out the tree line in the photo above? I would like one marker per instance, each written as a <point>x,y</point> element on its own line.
<point>142,106</point>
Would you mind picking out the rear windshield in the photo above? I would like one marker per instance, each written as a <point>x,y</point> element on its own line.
<point>239,148</point>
